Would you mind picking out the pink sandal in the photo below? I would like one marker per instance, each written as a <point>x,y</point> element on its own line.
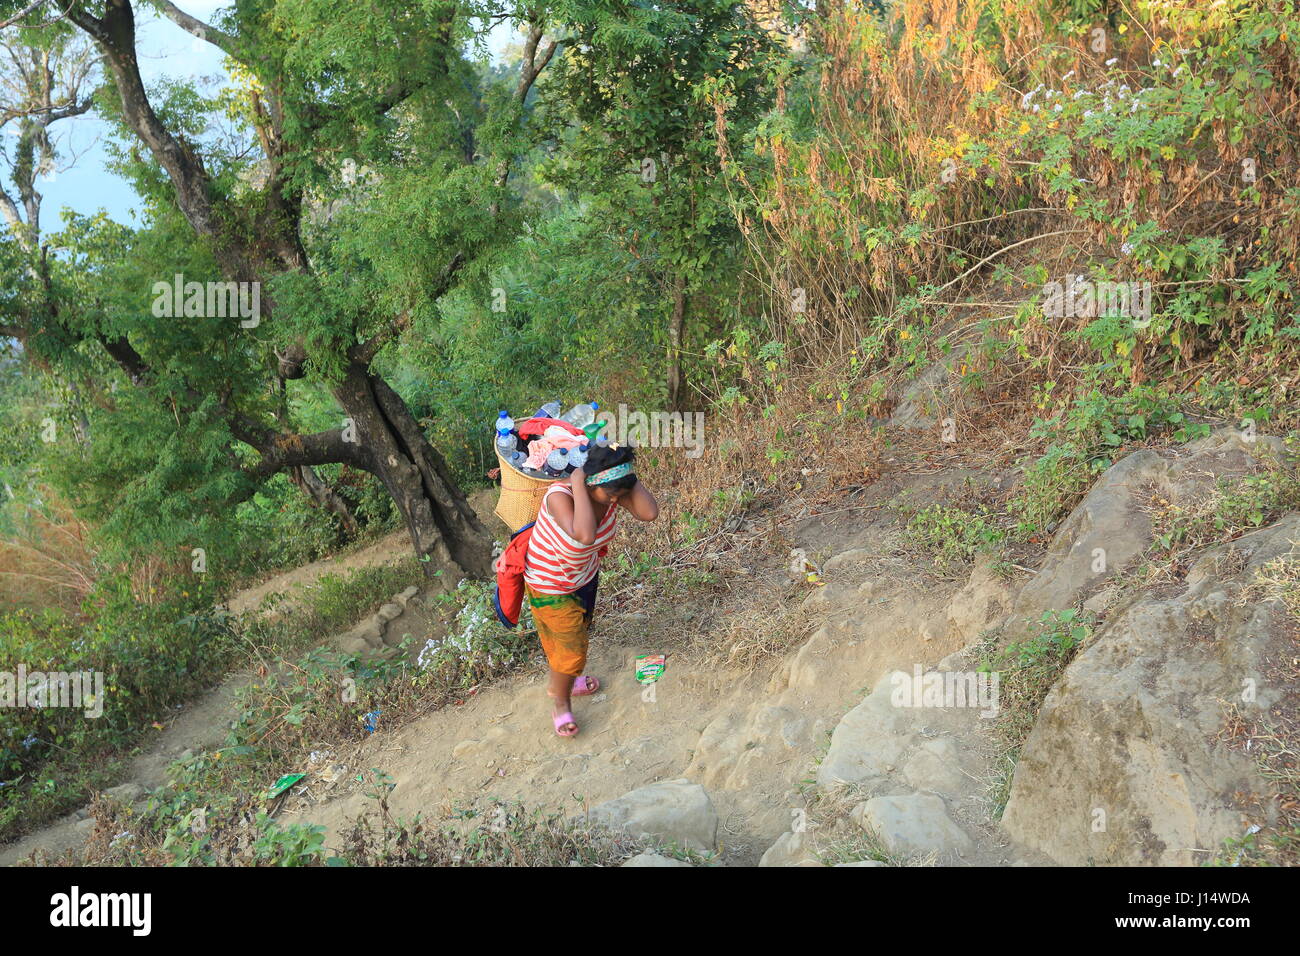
<point>561,720</point>
<point>585,685</point>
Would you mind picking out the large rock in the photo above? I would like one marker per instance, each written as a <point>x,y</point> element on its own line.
<point>983,600</point>
<point>736,748</point>
<point>910,825</point>
<point>790,849</point>
<point>1124,765</point>
<point>1110,528</point>
<point>676,811</point>
<point>922,398</point>
<point>870,742</point>
<point>935,766</point>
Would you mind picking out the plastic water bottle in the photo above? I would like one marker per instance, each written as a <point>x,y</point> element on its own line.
<point>549,410</point>
<point>581,415</point>
<point>517,459</point>
<point>556,462</point>
<point>506,442</point>
<point>504,421</point>
<point>602,441</point>
<point>578,456</point>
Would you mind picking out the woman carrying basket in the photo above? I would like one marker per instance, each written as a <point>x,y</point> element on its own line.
<point>573,529</point>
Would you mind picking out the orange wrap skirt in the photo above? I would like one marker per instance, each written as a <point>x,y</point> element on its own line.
<point>562,621</point>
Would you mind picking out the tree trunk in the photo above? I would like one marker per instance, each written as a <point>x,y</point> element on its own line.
<point>676,327</point>
<point>325,496</point>
<point>442,526</point>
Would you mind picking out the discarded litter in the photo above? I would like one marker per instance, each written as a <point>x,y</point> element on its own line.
<point>649,667</point>
<point>283,784</point>
<point>370,721</point>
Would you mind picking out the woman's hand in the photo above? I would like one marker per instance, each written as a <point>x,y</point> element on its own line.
<point>578,479</point>
<point>641,503</point>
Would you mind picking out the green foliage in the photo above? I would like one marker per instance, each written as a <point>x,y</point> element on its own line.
<point>151,658</point>
<point>1235,506</point>
<point>952,535</point>
<point>154,656</point>
<point>1084,439</point>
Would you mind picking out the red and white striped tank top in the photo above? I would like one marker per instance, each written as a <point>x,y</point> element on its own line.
<point>556,563</point>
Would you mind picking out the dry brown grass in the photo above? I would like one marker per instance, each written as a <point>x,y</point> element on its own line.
<point>49,561</point>
<point>1272,737</point>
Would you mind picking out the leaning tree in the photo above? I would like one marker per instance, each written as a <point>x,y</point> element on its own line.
<point>377,169</point>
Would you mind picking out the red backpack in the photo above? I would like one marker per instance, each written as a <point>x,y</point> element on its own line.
<point>509,597</point>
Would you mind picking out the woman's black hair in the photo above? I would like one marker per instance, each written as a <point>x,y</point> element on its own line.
<point>598,459</point>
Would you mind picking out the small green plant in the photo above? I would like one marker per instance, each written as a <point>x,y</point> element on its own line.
<point>1027,670</point>
<point>953,536</point>
<point>1084,439</point>
<point>1235,506</point>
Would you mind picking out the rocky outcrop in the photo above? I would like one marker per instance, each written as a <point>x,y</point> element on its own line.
<point>791,849</point>
<point>1110,529</point>
<point>1124,765</point>
<point>373,637</point>
<point>911,824</point>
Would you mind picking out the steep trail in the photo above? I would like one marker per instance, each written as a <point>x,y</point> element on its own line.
<point>909,782</point>
<point>752,738</point>
<point>806,751</point>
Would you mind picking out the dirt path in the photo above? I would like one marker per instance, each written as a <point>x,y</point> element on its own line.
<point>753,740</point>
<point>386,550</point>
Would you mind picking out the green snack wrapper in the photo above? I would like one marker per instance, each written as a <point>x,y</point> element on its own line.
<point>283,784</point>
<point>649,667</point>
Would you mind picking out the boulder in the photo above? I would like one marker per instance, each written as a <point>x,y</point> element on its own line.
<point>388,612</point>
<point>922,398</point>
<point>935,766</point>
<point>912,824</point>
<point>983,600</point>
<point>869,742</point>
<point>125,793</point>
<point>1110,528</point>
<point>790,849</point>
<point>675,811</point>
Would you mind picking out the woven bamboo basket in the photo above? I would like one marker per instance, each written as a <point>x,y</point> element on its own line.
<point>521,495</point>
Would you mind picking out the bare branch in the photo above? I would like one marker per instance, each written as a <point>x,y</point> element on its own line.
<point>196,27</point>
<point>21,13</point>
